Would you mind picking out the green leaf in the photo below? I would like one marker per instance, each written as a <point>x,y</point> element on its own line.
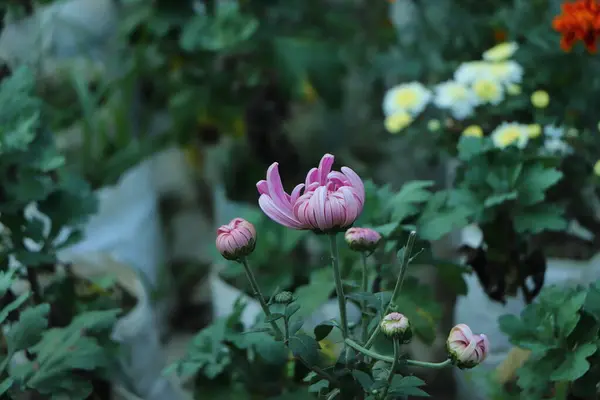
<point>28,330</point>
<point>407,386</point>
<point>312,296</point>
<point>291,310</point>
<point>305,347</point>
<point>6,280</point>
<point>13,305</point>
<point>363,379</point>
<point>533,183</point>
<point>323,329</point>
<point>592,301</point>
<point>575,364</point>
<point>5,385</point>
<point>274,317</point>
<point>406,202</point>
<point>498,199</point>
<point>469,147</point>
<point>540,218</point>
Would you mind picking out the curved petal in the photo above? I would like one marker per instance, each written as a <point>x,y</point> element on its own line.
<point>312,177</point>
<point>351,206</point>
<point>276,214</point>
<point>296,193</point>
<point>263,187</point>
<point>355,181</point>
<point>325,167</point>
<point>275,186</point>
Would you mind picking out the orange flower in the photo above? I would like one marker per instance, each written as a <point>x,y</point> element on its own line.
<point>579,20</point>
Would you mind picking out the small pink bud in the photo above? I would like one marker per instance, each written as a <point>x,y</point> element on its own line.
<point>396,325</point>
<point>466,349</point>
<point>362,239</point>
<point>236,239</point>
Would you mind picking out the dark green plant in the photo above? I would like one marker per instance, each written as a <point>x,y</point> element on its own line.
<point>49,350</point>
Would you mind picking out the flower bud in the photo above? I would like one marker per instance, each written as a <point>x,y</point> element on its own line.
<point>396,325</point>
<point>283,298</point>
<point>466,349</point>
<point>362,239</point>
<point>236,239</point>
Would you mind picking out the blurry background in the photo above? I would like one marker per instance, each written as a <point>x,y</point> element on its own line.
<point>172,110</point>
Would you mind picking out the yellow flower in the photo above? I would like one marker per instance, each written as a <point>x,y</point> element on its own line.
<point>534,130</point>
<point>509,133</point>
<point>540,99</point>
<point>434,125</point>
<point>501,52</point>
<point>597,168</point>
<point>513,89</point>
<point>411,97</point>
<point>488,91</point>
<point>473,130</point>
<point>398,121</point>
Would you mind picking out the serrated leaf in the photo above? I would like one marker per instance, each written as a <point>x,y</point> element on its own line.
<point>498,199</point>
<point>28,330</point>
<point>407,386</point>
<point>469,147</point>
<point>575,364</point>
<point>534,182</point>
<point>13,305</point>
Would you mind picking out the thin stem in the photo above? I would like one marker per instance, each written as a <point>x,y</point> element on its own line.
<point>286,327</point>
<point>403,267</point>
<point>364,288</point>
<point>339,288</point>
<point>259,296</point>
<point>381,357</point>
<point>392,369</point>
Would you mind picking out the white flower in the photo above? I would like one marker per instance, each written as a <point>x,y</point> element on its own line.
<point>509,133</point>
<point>501,52</point>
<point>410,97</point>
<point>469,71</point>
<point>557,146</point>
<point>488,91</point>
<point>456,97</point>
<point>507,72</point>
<point>554,132</point>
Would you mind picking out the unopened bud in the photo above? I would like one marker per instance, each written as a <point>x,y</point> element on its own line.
<point>236,239</point>
<point>284,298</point>
<point>396,325</point>
<point>362,239</point>
<point>466,349</point>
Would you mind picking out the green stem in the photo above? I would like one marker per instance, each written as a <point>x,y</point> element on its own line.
<point>392,369</point>
<point>339,288</point>
<point>259,296</point>
<point>381,357</point>
<point>561,390</point>
<point>364,288</point>
<point>403,267</point>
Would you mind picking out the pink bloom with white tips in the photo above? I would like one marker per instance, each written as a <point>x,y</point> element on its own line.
<point>467,349</point>
<point>236,239</point>
<point>327,201</point>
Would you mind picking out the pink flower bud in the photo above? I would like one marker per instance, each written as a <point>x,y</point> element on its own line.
<point>362,239</point>
<point>236,239</point>
<point>465,348</point>
<point>327,200</point>
<point>396,325</point>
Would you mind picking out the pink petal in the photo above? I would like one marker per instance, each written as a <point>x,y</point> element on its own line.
<point>325,167</point>
<point>276,214</point>
<point>312,177</point>
<point>351,205</point>
<point>263,187</point>
<point>276,191</point>
<point>355,181</point>
<point>296,193</point>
